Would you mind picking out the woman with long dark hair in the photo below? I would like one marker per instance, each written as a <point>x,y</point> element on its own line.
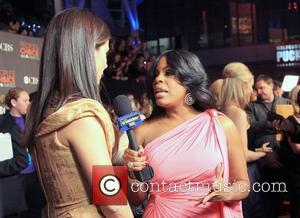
<point>68,130</point>
<point>194,150</point>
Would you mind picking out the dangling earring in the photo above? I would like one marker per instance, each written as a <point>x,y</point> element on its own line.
<point>189,99</point>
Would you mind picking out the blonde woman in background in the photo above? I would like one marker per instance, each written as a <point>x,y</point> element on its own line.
<point>216,90</point>
<point>236,92</point>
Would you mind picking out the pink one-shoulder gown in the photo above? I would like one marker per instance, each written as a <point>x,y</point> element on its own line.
<point>184,161</point>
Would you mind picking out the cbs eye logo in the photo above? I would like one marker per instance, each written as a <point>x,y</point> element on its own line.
<point>110,185</point>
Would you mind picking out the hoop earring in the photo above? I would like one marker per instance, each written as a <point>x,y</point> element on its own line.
<point>189,99</point>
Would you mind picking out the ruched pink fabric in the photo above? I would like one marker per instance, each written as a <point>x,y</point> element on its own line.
<point>184,161</point>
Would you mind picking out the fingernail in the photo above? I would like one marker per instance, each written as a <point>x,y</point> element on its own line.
<point>141,153</point>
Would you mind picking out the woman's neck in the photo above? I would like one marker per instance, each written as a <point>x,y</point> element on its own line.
<point>182,113</point>
<point>234,104</point>
<point>14,113</point>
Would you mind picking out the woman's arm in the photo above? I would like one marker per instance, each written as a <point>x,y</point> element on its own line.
<point>238,175</point>
<point>238,184</point>
<point>239,118</point>
<point>91,149</point>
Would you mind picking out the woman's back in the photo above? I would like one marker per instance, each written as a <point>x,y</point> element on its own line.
<point>66,189</point>
<point>237,114</point>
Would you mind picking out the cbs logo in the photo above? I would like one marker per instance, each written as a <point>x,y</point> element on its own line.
<point>30,80</point>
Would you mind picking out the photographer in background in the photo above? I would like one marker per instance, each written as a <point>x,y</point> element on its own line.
<point>290,151</point>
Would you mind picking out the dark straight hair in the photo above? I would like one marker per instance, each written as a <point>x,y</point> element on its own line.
<point>190,72</point>
<point>67,65</point>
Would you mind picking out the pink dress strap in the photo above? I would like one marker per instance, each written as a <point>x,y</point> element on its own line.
<point>233,209</point>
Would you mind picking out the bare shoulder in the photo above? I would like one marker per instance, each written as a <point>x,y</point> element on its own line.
<point>90,123</point>
<point>145,132</point>
<point>230,130</point>
<point>74,131</point>
<point>226,122</point>
<point>236,113</point>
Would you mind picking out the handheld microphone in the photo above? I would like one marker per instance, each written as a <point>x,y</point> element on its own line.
<point>127,120</point>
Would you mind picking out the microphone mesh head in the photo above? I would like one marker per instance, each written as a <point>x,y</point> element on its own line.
<point>122,105</point>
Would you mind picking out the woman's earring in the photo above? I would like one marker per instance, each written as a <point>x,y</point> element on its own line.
<point>189,99</point>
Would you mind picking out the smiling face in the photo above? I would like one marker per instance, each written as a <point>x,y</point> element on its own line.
<point>168,90</point>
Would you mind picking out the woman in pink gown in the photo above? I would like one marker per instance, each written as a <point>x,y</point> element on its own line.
<point>196,152</point>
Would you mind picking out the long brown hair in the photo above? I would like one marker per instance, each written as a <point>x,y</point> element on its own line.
<point>68,61</point>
